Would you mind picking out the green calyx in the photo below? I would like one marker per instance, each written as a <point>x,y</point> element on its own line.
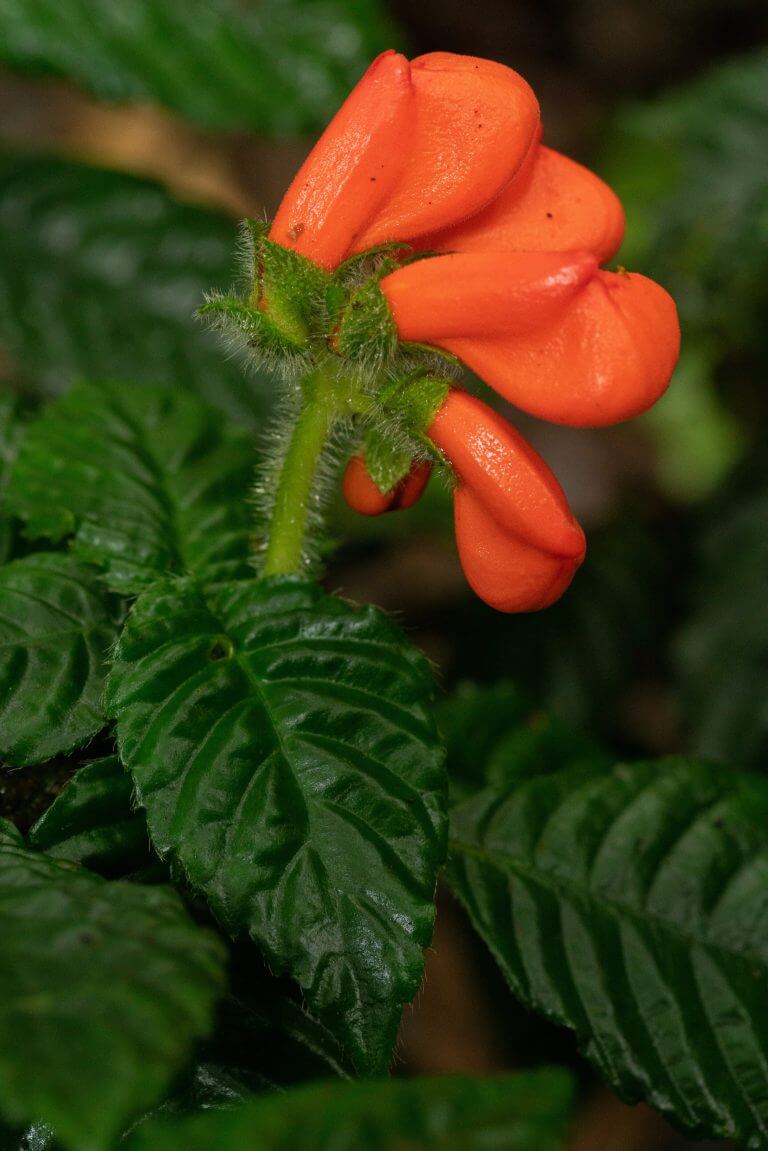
<point>332,339</point>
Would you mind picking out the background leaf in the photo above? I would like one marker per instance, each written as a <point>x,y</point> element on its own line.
<point>100,275</point>
<point>93,821</point>
<point>57,625</point>
<point>692,171</point>
<point>273,66</point>
<point>103,988</point>
<point>524,1112</point>
<point>722,650</point>
<point>150,482</point>
<point>282,744</point>
<point>632,906</point>
<point>10,439</point>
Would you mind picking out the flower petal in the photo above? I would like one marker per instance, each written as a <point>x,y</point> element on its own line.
<point>503,471</point>
<point>507,573</point>
<point>364,496</point>
<point>483,293</point>
<point>553,204</point>
<point>352,169</point>
<point>607,358</point>
<point>473,126</point>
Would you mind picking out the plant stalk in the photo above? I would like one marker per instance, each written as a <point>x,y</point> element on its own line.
<point>291,510</point>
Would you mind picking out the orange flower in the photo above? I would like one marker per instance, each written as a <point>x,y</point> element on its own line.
<point>444,154</point>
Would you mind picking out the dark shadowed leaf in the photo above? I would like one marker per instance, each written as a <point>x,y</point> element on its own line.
<point>94,821</point>
<point>57,626</point>
<point>524,1112</point>
<point>103,989</point>
<point>283,745</point>
<point>722,651</point>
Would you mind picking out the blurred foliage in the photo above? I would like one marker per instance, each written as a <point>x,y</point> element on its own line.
<point>278,67</point>
<point>722,651</point>
<point>100,274</point>
<point>692,171</point>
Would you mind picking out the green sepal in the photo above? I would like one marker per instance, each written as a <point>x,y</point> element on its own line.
<point>250,325</point>
<point>365,330</point>
<point>286,287</point>
<point>416,399</point>
<point>387,462</point>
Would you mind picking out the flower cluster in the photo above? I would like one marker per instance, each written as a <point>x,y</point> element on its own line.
<point>489,248</point>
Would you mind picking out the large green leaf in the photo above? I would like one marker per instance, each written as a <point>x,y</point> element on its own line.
<point>103,989</point>
<point>283,746</point>
<point>274,66</point>
<point>100,275</point>
<point>632,906</point>
<point>524,1112</point>
<point>57,625</point>
<point>722,650</point>
<point>148,480</point>
<point>93,821</point>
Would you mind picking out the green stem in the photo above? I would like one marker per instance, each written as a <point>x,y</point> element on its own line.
<point>290,513</point>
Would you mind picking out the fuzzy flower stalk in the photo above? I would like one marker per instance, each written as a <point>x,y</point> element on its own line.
<point>430,229</point>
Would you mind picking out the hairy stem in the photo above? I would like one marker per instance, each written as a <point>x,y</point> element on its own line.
<point>291,510</point>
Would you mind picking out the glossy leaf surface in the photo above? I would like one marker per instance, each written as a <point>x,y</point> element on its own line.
<point>282,744</point>
<point>147,481</point>
<point>631,905</point>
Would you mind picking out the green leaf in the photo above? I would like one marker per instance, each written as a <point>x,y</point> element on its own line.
<point>10,438</point>
<point>721,653</point>
<point>263,1041</point>
<point>148,480</point>
<point>57,625</point>
<point>273,66</point>
<point>94,821</point>
<point>103,989</point>
<point>632,906</point>
<point>100,275</point>
<point>524,1112</point>
<point>283,746</point>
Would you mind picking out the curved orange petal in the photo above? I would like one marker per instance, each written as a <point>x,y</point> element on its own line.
<point>365,497</point>
<point>352,169</point>
<point>511,480</point>
<point>553,204</point>
<point>507,573</point>
<point>483,293</point>
<point>607,358</point>
<point>473,126</point>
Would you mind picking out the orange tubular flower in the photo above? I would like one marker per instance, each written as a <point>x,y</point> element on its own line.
<point>444,155</point>
<point>518,541</point>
